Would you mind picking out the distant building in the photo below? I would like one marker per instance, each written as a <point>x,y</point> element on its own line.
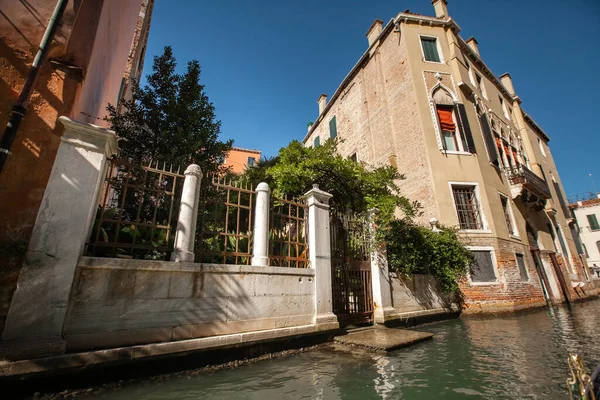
<point>422,99</point>
<point>587,214</point>
<point>239,159</point>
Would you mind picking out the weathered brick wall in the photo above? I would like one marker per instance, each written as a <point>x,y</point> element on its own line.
<point>510,292</point>
<point>378,119</point>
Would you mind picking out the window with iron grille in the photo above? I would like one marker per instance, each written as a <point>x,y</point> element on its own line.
<point>507,214</point>
<point>522,267</point>
<point>467,207</point>
<point>482,268</point>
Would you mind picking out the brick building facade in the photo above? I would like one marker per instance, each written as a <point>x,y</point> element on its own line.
<point>422,99</point>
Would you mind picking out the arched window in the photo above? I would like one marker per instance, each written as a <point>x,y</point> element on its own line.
<point>447,120</point>
<point>585,252</point>
<point>317,142</point>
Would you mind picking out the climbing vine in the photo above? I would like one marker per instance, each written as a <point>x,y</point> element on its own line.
<point>414,249</point>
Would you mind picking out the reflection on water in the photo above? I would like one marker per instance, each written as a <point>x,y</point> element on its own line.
<point>520,356</point>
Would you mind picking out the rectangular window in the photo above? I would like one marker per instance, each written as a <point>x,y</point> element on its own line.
<point>503,105</point>
<point>593,221</point>
<point>467,207</point>
<point>507,214</point>
<point>482,268</point>
<point>430,49</point>
<point>541,147</point>
<point>522,267</point>
<point>317,142</point>
<point>332,128</point>
<point>480,85</point>
<point>251,161</point>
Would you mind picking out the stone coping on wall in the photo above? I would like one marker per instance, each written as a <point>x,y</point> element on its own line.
<point>68,363</point>
<point>152,265</point>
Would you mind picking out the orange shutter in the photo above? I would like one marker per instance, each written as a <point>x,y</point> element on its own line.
<point>446,121</point>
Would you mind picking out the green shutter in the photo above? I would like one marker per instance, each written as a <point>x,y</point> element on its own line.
<point>332,128</point>
<point>317,142</point>
<point>593,221</point>
<point>430,49</point>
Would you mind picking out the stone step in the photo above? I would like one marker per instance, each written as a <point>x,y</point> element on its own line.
<point>382,339</point>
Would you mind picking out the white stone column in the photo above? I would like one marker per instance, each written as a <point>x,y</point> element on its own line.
<point>319,253</point>
<point>380,277</point>
<point>37,312</point>
<point>188,215</point>
<point>260,244</point>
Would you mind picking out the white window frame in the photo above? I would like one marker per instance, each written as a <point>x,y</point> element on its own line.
<point>494,265</point>
<point>458,134</point>
<point>526,269</point>
<point>511,214</point>
<point>504,107</point>
<point>470,71</point>
<point>481,86</point>
<point>486,228</point>
<point>437,44</point>
<point>541,145</point>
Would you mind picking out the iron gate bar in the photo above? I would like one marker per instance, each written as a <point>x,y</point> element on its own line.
<point>351,269</point>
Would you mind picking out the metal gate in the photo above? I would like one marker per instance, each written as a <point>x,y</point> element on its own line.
<point>351,269</point>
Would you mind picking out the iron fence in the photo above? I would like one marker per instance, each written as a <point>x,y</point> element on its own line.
<point>224,233</point>
<point>137,212</point>
<point>288,245</point>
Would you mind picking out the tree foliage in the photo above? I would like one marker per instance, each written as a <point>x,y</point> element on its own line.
<point>354,186</point>
<point>170,119</point>
<point>414,249</point>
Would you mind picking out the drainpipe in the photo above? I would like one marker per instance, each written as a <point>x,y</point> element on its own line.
<point>20,108</point>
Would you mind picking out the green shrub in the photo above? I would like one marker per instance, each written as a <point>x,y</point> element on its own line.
<point>414,249</point>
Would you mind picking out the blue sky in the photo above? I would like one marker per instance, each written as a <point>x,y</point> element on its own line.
<point>265,63</point>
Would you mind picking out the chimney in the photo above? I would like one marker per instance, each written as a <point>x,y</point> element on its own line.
<point>374,31</point>
<point>473,44</point>
<point>441,8</point>
<point>507,83</point>
<point>322,103</point>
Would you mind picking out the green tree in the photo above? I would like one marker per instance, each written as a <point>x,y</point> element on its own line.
<point>170,119</point>
<point>354,186</point>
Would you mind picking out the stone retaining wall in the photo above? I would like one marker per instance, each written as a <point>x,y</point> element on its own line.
<point>420,296</point>
<point>127,302</point>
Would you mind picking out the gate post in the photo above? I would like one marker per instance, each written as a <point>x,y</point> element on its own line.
<point>260,247</point>
<point>37,312</point>
<point>188,215</point>
<point>380,277</point>
<point>319,254</point>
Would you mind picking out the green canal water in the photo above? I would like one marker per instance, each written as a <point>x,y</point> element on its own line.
<point>520,356</point>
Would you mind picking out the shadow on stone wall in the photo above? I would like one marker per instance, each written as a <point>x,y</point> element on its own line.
<point>418,293</point>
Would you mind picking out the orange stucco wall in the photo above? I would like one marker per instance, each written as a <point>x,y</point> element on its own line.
<point>237,159</point>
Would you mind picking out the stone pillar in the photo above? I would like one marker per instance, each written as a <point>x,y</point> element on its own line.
<point>188,216</point>
<point>380,278</point>
<point>37,312</point>
<point>319,253</point>
<point>260,246</point>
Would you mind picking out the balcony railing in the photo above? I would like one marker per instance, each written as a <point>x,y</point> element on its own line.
<point>522,175</point>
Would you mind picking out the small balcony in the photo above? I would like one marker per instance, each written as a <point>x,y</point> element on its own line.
<point>528,185</point>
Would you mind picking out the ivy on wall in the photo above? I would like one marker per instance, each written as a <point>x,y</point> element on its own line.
<point>414,249</point>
